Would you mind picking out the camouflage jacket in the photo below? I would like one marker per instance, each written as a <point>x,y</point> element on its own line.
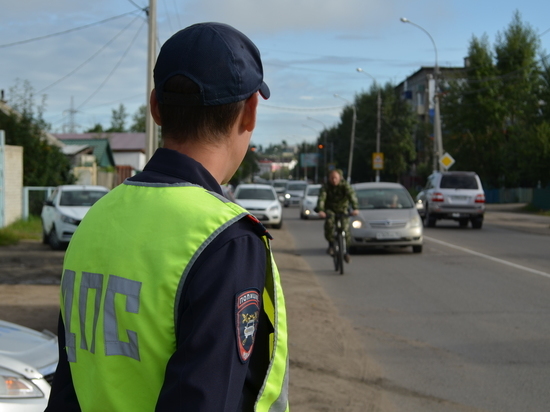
<point>337,199</point>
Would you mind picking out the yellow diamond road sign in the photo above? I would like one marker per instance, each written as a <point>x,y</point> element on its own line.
<point>446,161</point>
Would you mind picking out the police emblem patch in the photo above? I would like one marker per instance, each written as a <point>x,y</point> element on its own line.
<point>247,314</point>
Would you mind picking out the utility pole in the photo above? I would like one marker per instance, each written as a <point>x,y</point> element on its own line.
<point>151,129</point>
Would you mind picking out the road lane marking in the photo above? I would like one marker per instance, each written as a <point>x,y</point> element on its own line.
<point>504,262</point>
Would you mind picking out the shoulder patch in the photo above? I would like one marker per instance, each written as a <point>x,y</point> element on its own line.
<point>247,315</point>
<point>259,228</point>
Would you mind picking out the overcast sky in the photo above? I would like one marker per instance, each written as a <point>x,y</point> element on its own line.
<point>310,50</point>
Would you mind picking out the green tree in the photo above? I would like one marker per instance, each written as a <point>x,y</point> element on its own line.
<point>138,118</point>
<point>97,128</point>
<point>493,118</point>
<point>43,164</point>
<point>118,120</point>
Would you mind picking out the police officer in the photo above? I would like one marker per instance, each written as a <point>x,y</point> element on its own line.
<point>170,297</point>
<point>336,197</point>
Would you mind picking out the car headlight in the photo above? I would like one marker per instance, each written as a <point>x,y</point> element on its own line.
<point>68,219</point>
<point>274,208</point>
<point>415,221</point>
<point>13,386</point>
<point>287,196</point>
<point>357,224</point>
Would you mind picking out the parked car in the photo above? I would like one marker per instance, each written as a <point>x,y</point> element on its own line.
<point>28,359</point>
<point>308,202</point>
<point>63,211</point>
<point>457,196</point>
<point>293,192</point>
<point>261,201</point>
<point>387,217</point>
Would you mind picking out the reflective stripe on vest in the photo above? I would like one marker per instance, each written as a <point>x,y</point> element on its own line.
<point>119,338</point>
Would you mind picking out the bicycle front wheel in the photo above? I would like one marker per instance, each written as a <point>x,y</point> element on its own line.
<point>341,251</point>
<point>335,250</point>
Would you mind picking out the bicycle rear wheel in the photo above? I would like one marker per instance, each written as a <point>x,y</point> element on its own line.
<point>341,251</point>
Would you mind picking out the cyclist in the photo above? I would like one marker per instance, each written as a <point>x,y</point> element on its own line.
<point>336,196</point>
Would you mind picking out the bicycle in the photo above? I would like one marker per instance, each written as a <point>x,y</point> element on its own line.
<point>339,243</point>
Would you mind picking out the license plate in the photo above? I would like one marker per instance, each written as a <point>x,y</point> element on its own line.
<point>387,235</point>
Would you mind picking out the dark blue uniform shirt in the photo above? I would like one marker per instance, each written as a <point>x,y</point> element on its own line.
<point>205,373</point>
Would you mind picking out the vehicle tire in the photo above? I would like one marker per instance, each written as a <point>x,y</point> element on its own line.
<point>463,222</point>
<point>44,237</point>
<point>341,251</point>
<point>430,220</point>
<point>417,249</point>
<point>477,223</point>
<point>278,225</point>
<point>54,241</point>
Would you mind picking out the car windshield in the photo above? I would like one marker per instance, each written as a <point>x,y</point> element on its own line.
<point>255,193</point>
<point>383,199</point>
<point>296,186</point>
<point>458,182</point>
<point>80,197</point>
<point>313,191</point>
<point>279,184</point>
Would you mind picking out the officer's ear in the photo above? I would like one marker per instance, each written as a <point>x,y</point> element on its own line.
<point>154,104</point>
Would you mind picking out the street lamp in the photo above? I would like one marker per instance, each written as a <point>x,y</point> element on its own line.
<point>378,115</point>
<point>438,142</point>
<point>352,139</point>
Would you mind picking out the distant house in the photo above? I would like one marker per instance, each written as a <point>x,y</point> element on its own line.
<point>127,150</point>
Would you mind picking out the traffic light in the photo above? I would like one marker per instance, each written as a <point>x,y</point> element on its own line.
<point>321,146</point>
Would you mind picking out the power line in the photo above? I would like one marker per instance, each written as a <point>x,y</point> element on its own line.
<point>114,68</point>
<point>90,58</point>
<point>64,32</point>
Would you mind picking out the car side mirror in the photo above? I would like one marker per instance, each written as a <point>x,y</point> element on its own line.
<point>48,203</point>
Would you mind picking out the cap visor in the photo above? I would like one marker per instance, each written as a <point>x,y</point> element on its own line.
<point>264,91</point>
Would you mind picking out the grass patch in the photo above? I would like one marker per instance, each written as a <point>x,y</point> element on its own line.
<point>529,208</point>
<point>22,229</point>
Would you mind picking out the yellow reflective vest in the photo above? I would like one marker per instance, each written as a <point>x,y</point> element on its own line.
<point>118,337</point>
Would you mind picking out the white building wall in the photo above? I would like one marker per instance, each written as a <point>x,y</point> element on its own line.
<point>14,184</point>
<point>135,159</point>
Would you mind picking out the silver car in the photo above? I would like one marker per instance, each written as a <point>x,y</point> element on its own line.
<point>28,359</point>
<point>308,202</point>
<point>387,217</point>
<point>455,196</point>
<point>293,192</point>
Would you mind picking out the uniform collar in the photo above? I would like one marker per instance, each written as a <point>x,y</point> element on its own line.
<point>170,166</point>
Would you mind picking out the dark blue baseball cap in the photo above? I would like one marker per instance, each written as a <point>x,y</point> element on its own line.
<point>221,60</point>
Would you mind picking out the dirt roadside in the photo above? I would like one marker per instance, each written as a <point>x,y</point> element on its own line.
<point>329,370</point>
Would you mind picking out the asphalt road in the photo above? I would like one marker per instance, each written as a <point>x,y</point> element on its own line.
<point>464,326</point>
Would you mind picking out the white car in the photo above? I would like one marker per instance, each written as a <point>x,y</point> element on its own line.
<point>63,211</point>
<point>308,202</point>
<point>387,217</point>
<point>28,360</point>
<point>261,201</point>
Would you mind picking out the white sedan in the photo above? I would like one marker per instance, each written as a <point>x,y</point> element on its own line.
<point>63,211</point>
<point>261,201</point>
<point>28,360</point>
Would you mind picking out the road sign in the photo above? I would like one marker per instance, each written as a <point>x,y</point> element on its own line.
<point>377,161</point>
<point>446,161</point>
